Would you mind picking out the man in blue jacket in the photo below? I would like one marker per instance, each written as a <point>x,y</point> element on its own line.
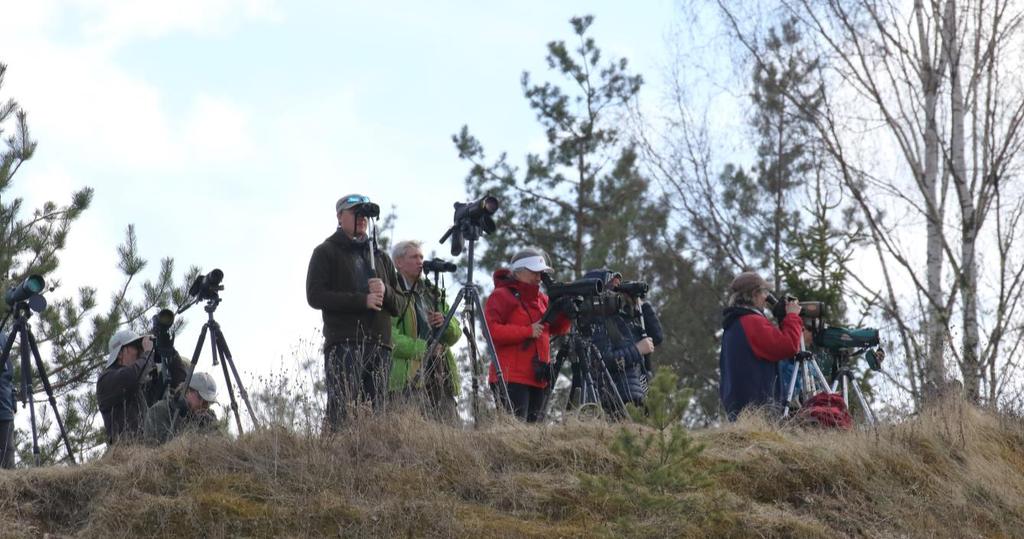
<point>621,348</point>
<point>6,412</point>
<point>752,346</point>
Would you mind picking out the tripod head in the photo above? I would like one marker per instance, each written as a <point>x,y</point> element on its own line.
<point>470,220</point>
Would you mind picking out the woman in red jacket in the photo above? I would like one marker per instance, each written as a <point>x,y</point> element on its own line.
<point>521,341</point>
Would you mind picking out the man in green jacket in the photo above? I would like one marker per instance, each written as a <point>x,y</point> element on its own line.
<point>429,376</point>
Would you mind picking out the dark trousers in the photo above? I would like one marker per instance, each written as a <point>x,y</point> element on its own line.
<point>527,401</point>
<point>355,373</point>
<point>7,447</point>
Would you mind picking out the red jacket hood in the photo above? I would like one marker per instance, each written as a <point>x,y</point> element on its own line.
<point>503,279</point>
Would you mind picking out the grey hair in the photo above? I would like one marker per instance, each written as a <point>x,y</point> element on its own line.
<point>402,247</point>
<point>742,299</point>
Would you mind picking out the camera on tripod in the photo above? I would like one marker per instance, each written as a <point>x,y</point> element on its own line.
<point>206,287</point>
<point>581,298</point>
<point>30,290</point>
<point>633,289</point>
<point>161,331</point>
<point>438,265</point>
<point>470,219</point>
<point>834,340</point>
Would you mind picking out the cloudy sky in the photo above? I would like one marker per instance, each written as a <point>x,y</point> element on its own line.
<point>226,129</point>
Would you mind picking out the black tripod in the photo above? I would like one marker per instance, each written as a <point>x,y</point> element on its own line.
<point>27,343</point>
<point>584,392</point>
<point>219,349</point>
<point>471,310</point>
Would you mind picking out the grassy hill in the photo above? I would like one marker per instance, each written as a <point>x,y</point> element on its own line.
<point>954,472</point>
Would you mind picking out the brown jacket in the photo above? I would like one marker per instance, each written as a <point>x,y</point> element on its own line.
<point>337,285</point>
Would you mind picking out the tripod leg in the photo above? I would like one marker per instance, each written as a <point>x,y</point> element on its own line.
<point>502,385</point>
<point>860,398</point>
<point>225,357</point>
<point>217,352</point>
<point>49,393</point>
<point>791,386</point>
<point>820,377</point>
<point>475,369</point>
<point>621,404</point>
<point>26,387</point>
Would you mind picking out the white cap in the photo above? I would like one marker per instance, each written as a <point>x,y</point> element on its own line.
<point>532,263</point>
<point>119,340</point>
<point>205,385</point>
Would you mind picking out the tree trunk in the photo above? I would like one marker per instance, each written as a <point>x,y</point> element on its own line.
<point>935,367</point>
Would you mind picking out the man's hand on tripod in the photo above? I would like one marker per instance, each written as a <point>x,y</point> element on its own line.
<point>375,299</point>
<point>645,346</point>
<point>435,319</point>
<point>147,344</point>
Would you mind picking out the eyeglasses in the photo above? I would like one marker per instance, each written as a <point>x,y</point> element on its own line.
<point>356,199</point>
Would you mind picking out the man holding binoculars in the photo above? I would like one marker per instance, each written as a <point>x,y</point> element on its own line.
<point>752,345</point>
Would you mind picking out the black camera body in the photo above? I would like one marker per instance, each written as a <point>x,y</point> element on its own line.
<point>438,265</point>
<point>161,330</point>
<point>470,219</point>
<point>206,287</point>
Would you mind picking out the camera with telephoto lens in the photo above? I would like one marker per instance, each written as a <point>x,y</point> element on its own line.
<point>205,287</point>
<point>634,289</point>
<point>576,298</point>
<point>438,265</point>
<point>811,312</point>
<point>161,331</point>
<point>470,219</point>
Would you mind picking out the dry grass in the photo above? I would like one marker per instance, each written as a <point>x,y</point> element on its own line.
<point>954,472</point>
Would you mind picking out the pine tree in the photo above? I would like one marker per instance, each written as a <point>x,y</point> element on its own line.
<point>70,329</point>
<point>584,202</point>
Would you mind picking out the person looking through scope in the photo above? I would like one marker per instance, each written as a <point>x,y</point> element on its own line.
<point>522,340</point>
<point>193,414</point>
<point>354,285</point>
<point>622,350</point>
<point>428,376</point>
<point>752,345</point>
<point>126,380</point>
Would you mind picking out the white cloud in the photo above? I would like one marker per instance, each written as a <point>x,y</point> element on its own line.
<point>218,130</point>
<point>118,22</point>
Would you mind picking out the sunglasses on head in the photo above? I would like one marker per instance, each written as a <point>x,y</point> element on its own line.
<point>357,199</point>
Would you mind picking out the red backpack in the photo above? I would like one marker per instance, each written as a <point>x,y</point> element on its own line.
<point>826,410</point>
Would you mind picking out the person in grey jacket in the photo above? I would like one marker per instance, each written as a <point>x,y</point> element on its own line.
<point>189,413</point>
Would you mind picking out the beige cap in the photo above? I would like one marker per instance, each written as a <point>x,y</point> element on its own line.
<point>748,281</point>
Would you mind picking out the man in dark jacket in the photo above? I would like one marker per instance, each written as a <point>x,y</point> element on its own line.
<point>752,345</point>
<point>622,351</point>
<point>122,386</point>
<point>356,291</point>
<point>7,409</point>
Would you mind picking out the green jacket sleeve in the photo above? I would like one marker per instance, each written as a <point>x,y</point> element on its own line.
<point>404,346</point>
<point>453,332</point>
